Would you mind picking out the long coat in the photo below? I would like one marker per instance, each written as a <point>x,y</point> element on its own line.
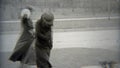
<point>24,42</point>
<point>43,44</point>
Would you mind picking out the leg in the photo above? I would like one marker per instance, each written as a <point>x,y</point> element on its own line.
<point>42,58</point>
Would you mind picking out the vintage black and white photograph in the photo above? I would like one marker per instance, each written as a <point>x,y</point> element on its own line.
<point>59,33</point>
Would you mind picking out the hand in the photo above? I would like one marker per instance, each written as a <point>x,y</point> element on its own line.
<point>32,32</point>
<point>25,16</point>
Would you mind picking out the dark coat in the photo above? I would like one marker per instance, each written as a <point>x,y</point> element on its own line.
<point>24,41</point>
<point>43,42</point>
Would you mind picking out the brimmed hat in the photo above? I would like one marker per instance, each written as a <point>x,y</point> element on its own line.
<point>47,18</point>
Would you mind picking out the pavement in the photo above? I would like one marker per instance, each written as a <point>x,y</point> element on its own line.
<point>69,58</point>
<point>86,49</point>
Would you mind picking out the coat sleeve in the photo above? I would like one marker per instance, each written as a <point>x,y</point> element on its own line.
<point>39,31</point>
<point>27,22</point>
<point>51,40</point>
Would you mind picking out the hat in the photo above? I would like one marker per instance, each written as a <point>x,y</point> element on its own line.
<point>48,16</point>
<point>25,12</point>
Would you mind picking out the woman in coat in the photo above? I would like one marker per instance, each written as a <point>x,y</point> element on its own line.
<point>43,44</point>
<point>26,38</point>
<point>24,52</point>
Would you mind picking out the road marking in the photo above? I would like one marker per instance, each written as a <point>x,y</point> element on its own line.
<point>71,19</point>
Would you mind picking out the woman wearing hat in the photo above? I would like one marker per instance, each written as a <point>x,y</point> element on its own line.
<point>34,47</point>
<point>26,38</point>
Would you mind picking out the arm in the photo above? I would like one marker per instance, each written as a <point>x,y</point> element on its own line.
<point>41,36</point>
<point>51,40</point>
